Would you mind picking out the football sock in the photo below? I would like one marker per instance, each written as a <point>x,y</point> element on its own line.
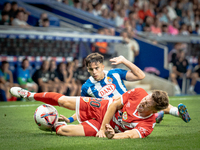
<point>174,111</point>
<point>191,88</point>
<point>47,97</point>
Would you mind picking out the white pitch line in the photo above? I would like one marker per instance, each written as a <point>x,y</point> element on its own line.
<point>6,106</point>
<point>184,99</point>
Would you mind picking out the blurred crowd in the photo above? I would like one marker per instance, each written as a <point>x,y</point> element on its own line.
<point>155,16</point>
<point>12,14</point>
<point>64,78</point>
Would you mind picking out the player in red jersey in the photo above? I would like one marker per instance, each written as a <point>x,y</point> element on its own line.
<point>132,114</point>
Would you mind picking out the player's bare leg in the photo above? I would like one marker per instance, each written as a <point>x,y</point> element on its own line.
<point>70,130</point>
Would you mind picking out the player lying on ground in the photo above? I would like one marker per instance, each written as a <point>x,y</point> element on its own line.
<point>108,84</point>
<point>132,114</point>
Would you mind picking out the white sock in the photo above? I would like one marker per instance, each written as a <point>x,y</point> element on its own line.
<point>31,97</point>
<point>174,111</point>
<point>191,88</point>
<point>177,88</point>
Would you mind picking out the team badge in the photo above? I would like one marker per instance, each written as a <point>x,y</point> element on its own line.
<point>86,99</point>
<point>110,80</point>
<point>107,90</point>
<point>125,116</point>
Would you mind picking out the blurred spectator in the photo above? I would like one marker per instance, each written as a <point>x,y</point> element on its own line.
<point>2,89</point>
<point>65,78</point>
<point>81,75</point>
<point>165,30</point>
<point>183,30</point>
<point>156,27</point>
<point>178,9</point>
<point>171,10</point>
<point>164,18</point>
<point>180,69</point>
<point>101,47</point>
<point>145,11</point>
<point>23,77</point>
<point>53,78</point>
<point>195,76</point>
<point>42,78</point>
<point>4,18</point>
<point>6,7</point>
<point>172,53</point>
<point>120,17</point>
<point>6,81</point>
<point>19,20</point>
<point>13,11</point>
<point>77,4</point>
<point>42,17</point>
<point>71,80</point>
<point>45,22</point>
<point>97,9</point>
<point>105,14</point>
<point>174,28</point>
<point>133,46</point>
<point>197,30</point>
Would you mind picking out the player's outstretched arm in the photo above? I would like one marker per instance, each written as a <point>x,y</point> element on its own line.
<point>134,74</point>
<point>110,133</point>
<point>114,106</point>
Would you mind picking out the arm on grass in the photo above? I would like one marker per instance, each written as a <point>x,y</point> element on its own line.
<point>114,106</point>
<point>110,133</point>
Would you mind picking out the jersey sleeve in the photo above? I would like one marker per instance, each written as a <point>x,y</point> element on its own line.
<point>145,128</point>
<point>122,73</point>
<point>126,96</point>
<point>84,91</point>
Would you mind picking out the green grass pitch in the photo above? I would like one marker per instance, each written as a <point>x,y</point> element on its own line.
<point>18,131</point>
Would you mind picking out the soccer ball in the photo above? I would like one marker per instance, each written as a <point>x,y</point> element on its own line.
<point>45,116</point>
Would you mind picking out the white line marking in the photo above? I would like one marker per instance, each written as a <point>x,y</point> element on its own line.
<point>6,106</point>
<point>184,98</point>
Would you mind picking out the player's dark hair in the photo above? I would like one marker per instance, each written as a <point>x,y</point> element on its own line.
<point>94,57</point>
<point>161,99</point>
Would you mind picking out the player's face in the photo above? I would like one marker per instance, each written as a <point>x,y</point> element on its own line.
<point>146,105</point>
<point>96,70</point>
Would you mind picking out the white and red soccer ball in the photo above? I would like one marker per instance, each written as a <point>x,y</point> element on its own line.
<point>45,116</point>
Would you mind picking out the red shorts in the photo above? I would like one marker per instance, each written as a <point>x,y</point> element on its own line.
<point>90,113</point>
<point>91,127</point>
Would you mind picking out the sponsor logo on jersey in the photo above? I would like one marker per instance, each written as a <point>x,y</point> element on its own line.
<point>107,90</point>
<point>86,99</point>
<point>125,116</point>
<point>110,80</point>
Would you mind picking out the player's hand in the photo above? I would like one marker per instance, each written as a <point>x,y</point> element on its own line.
<point>63,118</point>
<point>117,60</point>
<point>109,131</point>
<point>101,134</point>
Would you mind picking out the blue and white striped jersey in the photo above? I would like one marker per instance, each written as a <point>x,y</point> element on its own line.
<point>110,86</point>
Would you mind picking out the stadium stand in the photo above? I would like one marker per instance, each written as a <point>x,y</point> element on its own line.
<point>73,27</point>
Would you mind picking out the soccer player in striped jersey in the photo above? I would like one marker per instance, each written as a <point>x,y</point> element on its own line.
<point>110,83</point>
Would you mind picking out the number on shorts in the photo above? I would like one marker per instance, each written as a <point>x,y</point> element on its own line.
<point>95,102</point>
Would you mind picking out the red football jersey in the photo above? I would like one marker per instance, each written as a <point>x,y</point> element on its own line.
<point>127,118</point>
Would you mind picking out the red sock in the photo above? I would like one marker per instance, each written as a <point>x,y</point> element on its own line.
<point>48,97</point>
